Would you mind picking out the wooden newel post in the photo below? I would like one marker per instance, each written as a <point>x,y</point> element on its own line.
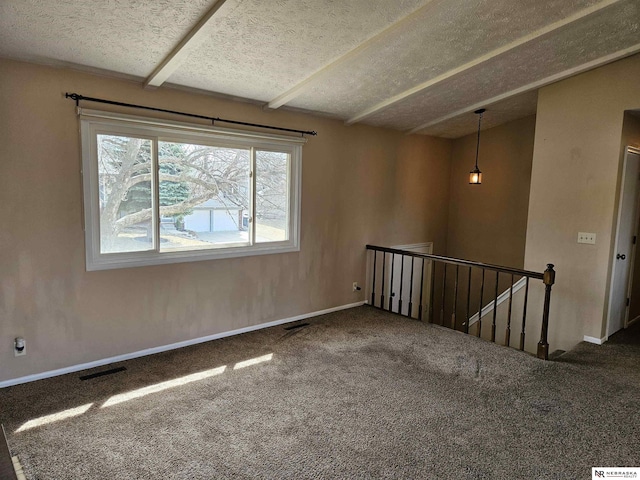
<point>548,280</point>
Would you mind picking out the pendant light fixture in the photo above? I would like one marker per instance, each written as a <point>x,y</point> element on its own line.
<point>475,176</point>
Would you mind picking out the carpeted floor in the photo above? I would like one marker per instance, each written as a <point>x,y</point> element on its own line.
<point>355,394</point>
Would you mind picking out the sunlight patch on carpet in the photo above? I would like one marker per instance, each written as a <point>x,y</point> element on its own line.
<point>159,387</point>
<point>253,361</point>
<point>55,417</point>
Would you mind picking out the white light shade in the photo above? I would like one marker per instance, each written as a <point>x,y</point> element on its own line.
<point>475,177</point>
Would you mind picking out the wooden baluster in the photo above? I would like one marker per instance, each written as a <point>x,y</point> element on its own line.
<point>455,299</point>
<point>507,338</point>
<point>391,292</point>
<point>466,323</point>
<point>373,287</point>
<point>421,291</point>
<point>410,311</point>
<point>524,312</point>
<point>433,289</point>
<point>401,284</point>
<point>384,262</point>
<point>480,306</point>
<point>495,310</point>
<point>444,293</point>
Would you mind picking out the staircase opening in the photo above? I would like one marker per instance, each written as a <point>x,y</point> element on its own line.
<point>489,301</point>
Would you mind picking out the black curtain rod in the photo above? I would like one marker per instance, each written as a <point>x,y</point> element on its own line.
<point>77,97</point>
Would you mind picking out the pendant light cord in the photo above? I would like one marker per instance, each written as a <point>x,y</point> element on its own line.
<point>479,112</point>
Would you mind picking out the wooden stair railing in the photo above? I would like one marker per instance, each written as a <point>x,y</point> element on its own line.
<point>421,276</point>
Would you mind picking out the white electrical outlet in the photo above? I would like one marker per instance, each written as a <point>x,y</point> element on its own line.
<point>586,237</point>
<point>19,347</point>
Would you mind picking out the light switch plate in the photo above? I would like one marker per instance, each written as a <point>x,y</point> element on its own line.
<point>586,237</point>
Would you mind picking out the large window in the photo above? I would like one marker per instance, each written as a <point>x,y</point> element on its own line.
<point>162,192</point>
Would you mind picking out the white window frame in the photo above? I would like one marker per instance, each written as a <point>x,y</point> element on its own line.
<point>93,123</point>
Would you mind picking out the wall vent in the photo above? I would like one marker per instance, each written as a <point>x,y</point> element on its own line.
<point>103,373</point>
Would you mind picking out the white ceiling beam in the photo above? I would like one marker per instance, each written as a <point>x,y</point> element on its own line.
<point>534,85</point>
<point>297,89</point>
<point>482,59</point>
<point>172,61</point>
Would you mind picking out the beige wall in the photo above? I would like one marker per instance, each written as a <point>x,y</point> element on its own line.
<point>360,185</point>
<point>631,137</point>
<point>574,187</point>
<point>488,222</point>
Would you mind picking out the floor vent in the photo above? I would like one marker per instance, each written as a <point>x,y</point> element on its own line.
<point>293,327</point>
<point>103,373</point>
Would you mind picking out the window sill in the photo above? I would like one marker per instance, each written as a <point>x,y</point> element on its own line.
<point>123,260</point>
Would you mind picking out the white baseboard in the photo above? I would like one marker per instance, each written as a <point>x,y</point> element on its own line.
<point>172,346</point>
<point>597,341</point>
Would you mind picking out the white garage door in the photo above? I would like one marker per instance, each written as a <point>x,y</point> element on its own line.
<point>225,220</point>
<point>198,221</point>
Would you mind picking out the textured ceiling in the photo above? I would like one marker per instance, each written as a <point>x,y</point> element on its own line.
<point>415,65</point>
<point>512,108</point>
<point>584,41</point>
<point>124,36</point>
<point>265,49</point>
<point>442,37</point>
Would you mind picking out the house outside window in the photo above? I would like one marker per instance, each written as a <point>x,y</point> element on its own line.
<point>160,192</point>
